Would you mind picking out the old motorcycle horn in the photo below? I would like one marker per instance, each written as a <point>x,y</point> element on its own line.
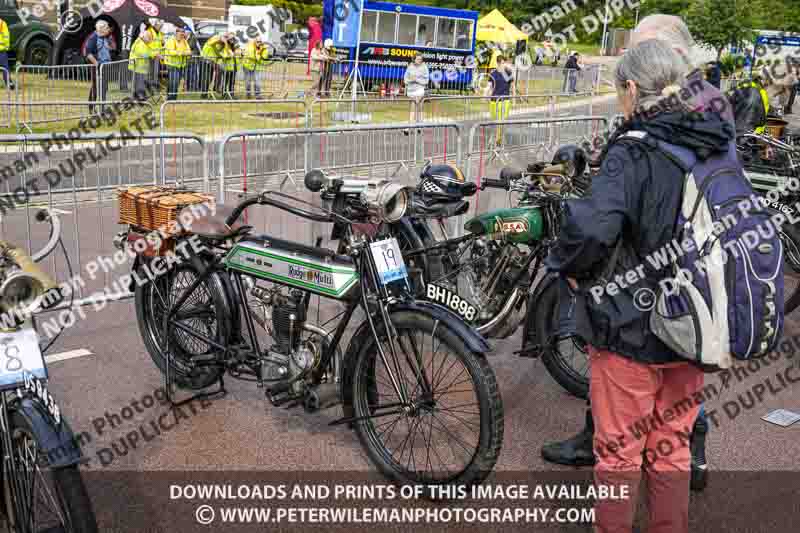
<point>23,284</point>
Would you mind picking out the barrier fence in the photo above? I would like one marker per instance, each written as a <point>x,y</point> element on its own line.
<point>32,114</point>
<point>208,117</point>
<point>492,145</point>
<point>282,78</point>
<point>80,179</point>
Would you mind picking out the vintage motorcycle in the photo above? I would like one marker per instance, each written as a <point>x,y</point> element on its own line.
<point>486,275</point>
<point>413,382</point>
<point>42,487</point>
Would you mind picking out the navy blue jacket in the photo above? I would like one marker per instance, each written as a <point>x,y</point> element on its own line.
<point>635,198</point>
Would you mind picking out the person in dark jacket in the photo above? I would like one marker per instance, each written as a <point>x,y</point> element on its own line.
<point>699,96</point>
<point>629,215</point>
<point>714,74</point>
<point>572,67</point>
<point>99,49</point>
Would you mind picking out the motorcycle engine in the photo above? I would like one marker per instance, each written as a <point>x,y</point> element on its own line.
<point>290,357</point>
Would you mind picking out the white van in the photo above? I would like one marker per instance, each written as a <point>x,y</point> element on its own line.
<point>264,22</point>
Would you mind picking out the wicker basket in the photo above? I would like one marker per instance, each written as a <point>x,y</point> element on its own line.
<point>775,127</point>
<point>151,207</point>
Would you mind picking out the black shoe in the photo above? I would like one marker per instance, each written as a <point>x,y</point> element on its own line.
<point>577,451</point>
<point>697,444</point>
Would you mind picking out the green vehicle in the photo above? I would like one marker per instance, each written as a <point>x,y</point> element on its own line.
<point>486,275</point>
<point>31,39</point>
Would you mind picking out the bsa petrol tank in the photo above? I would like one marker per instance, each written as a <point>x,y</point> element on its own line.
<point>295,265</point>
<point>521,225</point>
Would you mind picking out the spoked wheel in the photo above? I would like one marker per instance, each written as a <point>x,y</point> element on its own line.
<point>54,499</point>
<point>450,428</point>
<point>204,313</point>
<point>564,356</point>
<point>790,236</point>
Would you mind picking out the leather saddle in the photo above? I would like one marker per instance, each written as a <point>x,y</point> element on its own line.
<point>213,226</point>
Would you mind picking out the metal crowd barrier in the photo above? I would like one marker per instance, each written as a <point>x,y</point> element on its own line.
<point>215,117</point>
<point>29,114</point>
<point>332,112</point>
<point>276,158</point>
<point>493,145</point>
<point>58,83</point>
<point>469,108</point>
<point>80,179</point>
<point>6,114</point>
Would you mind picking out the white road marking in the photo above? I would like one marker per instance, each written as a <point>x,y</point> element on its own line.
<point>63,356</point>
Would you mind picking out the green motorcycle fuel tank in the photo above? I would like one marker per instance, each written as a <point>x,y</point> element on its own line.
<point>520,225</point>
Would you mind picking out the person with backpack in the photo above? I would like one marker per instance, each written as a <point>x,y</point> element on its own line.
<point>646,358</point>
<point>700,96</point>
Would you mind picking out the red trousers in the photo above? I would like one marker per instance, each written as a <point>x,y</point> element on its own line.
<point>643,416</point>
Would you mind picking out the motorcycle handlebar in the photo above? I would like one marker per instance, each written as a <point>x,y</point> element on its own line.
<point>46,215</point>
<point>494,184</point>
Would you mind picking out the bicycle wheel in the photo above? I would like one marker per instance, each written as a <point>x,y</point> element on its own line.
<point>564,357</point>
<point>450,430</point>
<point>790,236</point>
<point>204,312</point>
<point>57,501</point>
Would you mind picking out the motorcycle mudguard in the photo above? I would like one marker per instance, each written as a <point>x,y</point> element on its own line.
<point>530,337</point>
<point>57,442</point>
<point>474,341</point>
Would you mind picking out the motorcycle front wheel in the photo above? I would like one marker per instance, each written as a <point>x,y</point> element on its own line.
<point>57,501</point>
<point>564,356</point>
<point>449,429</point>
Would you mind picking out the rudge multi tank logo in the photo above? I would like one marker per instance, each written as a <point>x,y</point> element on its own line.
<point>323,279</point>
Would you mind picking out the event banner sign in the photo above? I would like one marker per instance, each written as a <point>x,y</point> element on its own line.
<point>346,21</point>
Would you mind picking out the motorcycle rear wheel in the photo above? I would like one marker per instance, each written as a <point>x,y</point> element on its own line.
<point>206,306</point>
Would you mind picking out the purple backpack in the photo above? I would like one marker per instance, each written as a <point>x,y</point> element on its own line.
<point>722,296</point>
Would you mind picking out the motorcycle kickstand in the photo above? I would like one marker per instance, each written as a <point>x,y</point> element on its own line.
<point>217,394</point>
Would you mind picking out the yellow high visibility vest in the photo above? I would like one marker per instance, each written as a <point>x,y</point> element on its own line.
<point>212,48</point>
<point>157,43</point>
<point>177,53</point>
<point>139,58</point>
<point>254,56</point>
<point>227,59</point>
<point>5,37</point>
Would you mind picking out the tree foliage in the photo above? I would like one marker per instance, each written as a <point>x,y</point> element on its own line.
<point>720,23</point>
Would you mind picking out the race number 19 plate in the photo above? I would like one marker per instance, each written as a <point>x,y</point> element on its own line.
<point>20,354</point>
<point>389,260</point>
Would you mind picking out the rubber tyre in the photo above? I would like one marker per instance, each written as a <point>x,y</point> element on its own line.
<point>69,487</point>
<point>545,322</point>
<point>38,52</point>
<point>201,377</point>
<point>488,398</point>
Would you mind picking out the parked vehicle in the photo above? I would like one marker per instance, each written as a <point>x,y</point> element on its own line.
<point>42,487</point>
<point>491,276</point>
<point>31,41</point>
<point>199,321</point>
<point>264,22</point>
